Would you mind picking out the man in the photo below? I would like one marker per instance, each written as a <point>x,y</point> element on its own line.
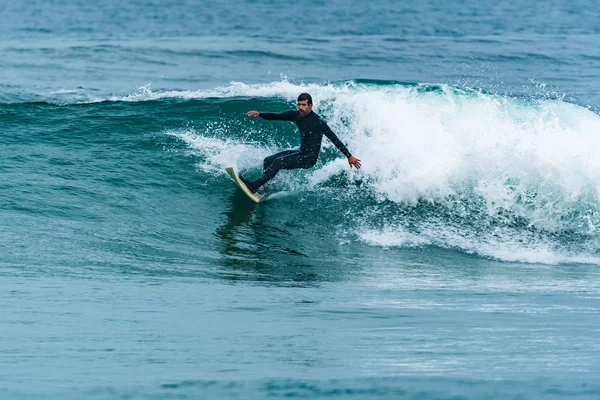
<point>312,128</point>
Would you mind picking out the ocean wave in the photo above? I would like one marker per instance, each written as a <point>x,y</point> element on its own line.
<point>514,179</point>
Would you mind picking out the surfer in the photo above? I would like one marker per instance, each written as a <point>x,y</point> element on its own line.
<point>312,128</point>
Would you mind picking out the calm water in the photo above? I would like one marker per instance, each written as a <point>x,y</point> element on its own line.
<point>460,262</point>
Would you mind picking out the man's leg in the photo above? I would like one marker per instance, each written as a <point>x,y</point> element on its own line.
<point>291,160</point>
<point>266,164</point>
<point>269,160</point>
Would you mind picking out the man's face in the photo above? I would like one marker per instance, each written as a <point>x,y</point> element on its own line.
<point>304,107</point>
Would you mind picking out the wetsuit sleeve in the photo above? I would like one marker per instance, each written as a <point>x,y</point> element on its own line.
<point>335,140</point>
<point>284,116</point>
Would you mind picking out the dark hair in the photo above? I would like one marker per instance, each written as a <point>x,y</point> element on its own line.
<point>305,96</point>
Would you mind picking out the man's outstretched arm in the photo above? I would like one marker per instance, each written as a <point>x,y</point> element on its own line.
<point>353,161</point>
<point>284,116</point>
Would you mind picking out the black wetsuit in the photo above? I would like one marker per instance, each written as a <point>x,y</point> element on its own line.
<point>312,128</point>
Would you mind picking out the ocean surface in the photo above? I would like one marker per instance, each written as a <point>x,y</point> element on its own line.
<point>461,262</point>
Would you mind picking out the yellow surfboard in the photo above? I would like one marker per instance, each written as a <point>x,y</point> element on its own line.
<point>254,197</point>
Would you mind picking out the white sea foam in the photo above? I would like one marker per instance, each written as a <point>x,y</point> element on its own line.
<point>217,154</point>
<point>501,244</point>
<point>535,160</point>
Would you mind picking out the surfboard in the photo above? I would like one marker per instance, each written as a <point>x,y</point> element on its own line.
<point>254,197</point>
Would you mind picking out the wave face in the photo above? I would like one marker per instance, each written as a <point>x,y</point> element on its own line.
<point>496,176</point>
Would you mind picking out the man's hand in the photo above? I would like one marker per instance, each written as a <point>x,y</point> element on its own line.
<point>253,113</point>
<point>354,162</point>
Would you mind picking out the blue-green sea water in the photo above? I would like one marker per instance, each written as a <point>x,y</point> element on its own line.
<point>461,262</point>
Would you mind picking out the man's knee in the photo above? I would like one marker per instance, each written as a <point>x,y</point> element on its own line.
<point>269,161</point>
<point>275,164</point>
